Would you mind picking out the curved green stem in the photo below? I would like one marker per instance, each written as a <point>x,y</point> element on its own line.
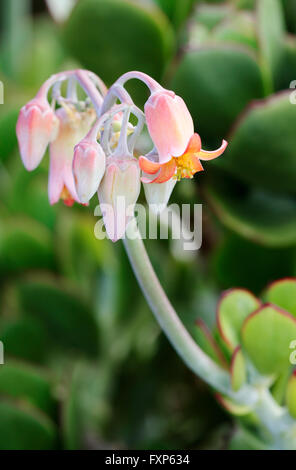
<point>169,321</point>
<point>274,418</point>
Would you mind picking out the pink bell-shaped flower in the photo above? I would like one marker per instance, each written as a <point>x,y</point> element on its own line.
<point>118,194</point>
<point>36,127</point>
<point>89,165</point>
<point>169,123</point>
<point>73,127</point>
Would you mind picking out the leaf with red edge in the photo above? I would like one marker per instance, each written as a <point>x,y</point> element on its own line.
<point>232,407</point>
<point>266,336</point>
<point>207,343</point>
<point>291,395</point>
<point>234,307</point>
<point>237,369</point>
<point>283,294</point>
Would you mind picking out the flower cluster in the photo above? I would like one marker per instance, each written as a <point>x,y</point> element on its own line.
<point>93,143</point>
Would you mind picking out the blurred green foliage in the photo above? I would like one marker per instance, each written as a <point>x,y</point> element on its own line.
<point>85,363</point>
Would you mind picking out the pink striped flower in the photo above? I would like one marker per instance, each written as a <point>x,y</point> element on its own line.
<point>36,127</point>
<point>88,168</point>
<point>118,194</point>
<point>73,127</point>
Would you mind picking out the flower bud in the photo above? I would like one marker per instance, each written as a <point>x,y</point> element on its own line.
<point>118,194</point>
<point>169,123</point>
<point>88,168</point>
<point>37,125</point>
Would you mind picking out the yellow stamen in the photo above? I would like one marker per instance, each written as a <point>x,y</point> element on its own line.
<point>66,197</point>
<point>185,166</point>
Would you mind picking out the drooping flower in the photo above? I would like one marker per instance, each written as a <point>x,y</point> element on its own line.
<point>36,127</point>
<point>169,123</point>
<point>184,166</point>
<point>88,168</point>
<point>118,194</point>
<point>74,126</point>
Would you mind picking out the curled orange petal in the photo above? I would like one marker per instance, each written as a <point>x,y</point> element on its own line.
<point>206,155</point>
<point>148,166</point>
<point>194,145</point>
<point>167,171</point>
<point>196,164</point>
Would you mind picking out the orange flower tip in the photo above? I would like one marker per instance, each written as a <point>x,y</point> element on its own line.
<point>148,166</point>
<point>211,155</point>
<point>194,145</point>
<point>68,202</point>
<point>66,197</point>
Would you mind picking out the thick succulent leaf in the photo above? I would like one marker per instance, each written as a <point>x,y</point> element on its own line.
<point>25,338</point>
<point>267,335</point>
<point>210,15</point>
<point>206,341</point>
<point>234,265</point>
<point>87,405</point>
<point>283,294</point>
<point>176,11</point>
<point>259,215</point>
<point>217,83</point>
<point>8,140</point>
<point>106,44</point>
<point>20,381</point>
<point>233,308</point>
<point>31,189</point>
<point>23,428</point>
<point>291,395</point>
<point>271,30</point>
<point>262,145</point>
<point>287,70</point>
<point>279,387</point>
<point>237,369</point>
<point>69,322</point>
<point>290,14</point>
<point>232,407</point>
<point>24,244</point>
<point>37,66</point>
<point>238,28</point>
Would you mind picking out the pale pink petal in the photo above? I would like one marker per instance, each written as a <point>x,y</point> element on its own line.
<point>169,123</point>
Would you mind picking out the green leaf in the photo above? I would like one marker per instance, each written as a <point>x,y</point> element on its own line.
<point>87,408</point>
<point>233,308</point>
<point>119,35</point>
<point>291,395</point>
<point>238,28</point>
<point>213,101</point>
<point>24,244</point>
<point>211,15</point>
<point>232,407</point>
<point>8,140</point>
<point>205,340</point>
<point>279,387</point>
<point>261,216</point>
<point>262,145</point>
<point>271,30</point>
<point>267,335</point>
<point>283,294</point>
<point>289,7</point>
<point>23,428</point>
<point>237,369</point>
<point>25,338</point>
<point>69,322</point>
<point>261,265</point>
<point>23,382</point>
<point>176,11</point>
